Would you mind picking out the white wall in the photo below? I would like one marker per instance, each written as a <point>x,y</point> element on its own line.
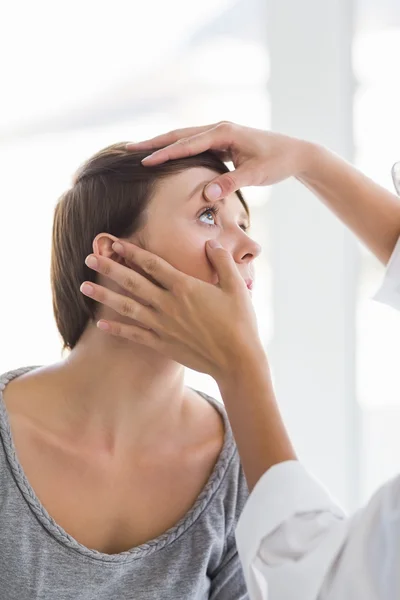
<point>314,260</point>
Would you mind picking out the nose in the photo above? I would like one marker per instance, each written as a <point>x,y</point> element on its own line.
<point>245,249</point>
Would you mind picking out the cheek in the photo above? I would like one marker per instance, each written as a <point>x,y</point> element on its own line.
<point>185,250</point>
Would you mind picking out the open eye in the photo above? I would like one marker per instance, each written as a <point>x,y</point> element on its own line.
<point>208,215</point>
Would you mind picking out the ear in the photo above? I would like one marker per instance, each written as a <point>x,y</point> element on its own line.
<point>102,245</point>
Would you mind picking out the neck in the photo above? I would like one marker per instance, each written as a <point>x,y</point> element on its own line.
<point>115,390</point>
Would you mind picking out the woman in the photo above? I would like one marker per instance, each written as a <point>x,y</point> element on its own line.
<point>117,481</point>
<point>294,542</point>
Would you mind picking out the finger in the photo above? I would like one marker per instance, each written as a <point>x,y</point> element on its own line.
<point>212,139</point>
<point>166,139</point>
<point>222,186</point>
<point>158,269</point>
<point>126,307</point>
<point>133,282</point>
<point>134,333</point>
<point>223,263</point>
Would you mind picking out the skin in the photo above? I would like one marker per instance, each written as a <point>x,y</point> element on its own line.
<point>265,158</point>
<point>234,355</point>
<point>114,421</point>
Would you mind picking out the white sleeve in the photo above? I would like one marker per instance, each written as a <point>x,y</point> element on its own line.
<point>295,543</point>
<point>389,292</point>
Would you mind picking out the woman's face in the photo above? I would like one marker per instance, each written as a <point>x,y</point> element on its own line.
<point>180,221</point>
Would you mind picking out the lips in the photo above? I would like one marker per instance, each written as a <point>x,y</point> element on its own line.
<point>249,283</point>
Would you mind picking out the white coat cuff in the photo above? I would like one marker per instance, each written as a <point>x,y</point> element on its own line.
<point>285,490</point>
<point>389,292</point>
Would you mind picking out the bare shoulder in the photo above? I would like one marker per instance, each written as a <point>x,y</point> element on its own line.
<point>203,433</point>
<point>207,418</point>
<point>28,400</point>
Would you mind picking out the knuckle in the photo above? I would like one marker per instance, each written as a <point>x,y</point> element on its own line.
<point>126,308</point>
<point>136,335</point>
<point>115,328</point>
<point>184,145</point>
<point>181,287</point>
<point>225,125</point>
<point>184,141</point>
<point>105,268</point>
<point>150,265</point>
<point>177,288</point>
<point>130,283</point>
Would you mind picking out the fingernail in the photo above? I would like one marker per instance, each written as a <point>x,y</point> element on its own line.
<point>103,325</point>
<point>92,262</point>
<point>214,244</point>
<point>118,247</point>
<point>87,289</point>
<point>146,158</point>
<point>213,191</point>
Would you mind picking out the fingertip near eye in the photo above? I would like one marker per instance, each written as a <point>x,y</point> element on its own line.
<point>213,191</point>
<point>214,244</point>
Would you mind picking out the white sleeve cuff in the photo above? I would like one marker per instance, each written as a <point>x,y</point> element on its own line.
<point>285,490</point>
<point>389,292</point>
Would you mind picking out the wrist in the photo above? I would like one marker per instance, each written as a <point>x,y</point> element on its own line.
<point>310,161</point>
<point>308,156</point>
<point>256,422</point>
<point>247,363</point>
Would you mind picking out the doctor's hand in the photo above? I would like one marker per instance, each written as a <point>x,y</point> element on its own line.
<point>206,327</point>
<point>260,157</point>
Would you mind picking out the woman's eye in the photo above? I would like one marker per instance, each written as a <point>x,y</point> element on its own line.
<point>209,216</point>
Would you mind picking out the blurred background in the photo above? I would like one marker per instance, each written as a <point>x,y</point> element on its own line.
<point>77,76</point>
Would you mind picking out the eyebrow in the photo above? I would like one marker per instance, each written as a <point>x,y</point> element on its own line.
<point>200,187</point>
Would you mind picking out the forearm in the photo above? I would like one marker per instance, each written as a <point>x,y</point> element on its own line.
<point>256,422</point>
<point>369,210</point>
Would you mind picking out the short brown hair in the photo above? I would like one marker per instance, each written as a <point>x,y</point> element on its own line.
<point>110,193</point>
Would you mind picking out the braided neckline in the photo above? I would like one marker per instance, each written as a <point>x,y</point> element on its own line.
<point>144,550</point>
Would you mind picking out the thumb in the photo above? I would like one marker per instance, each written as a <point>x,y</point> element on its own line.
<point>223,263</point>
<point>225,184</point>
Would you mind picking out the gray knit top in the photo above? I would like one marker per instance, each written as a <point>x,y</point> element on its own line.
<point>194,560</point>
